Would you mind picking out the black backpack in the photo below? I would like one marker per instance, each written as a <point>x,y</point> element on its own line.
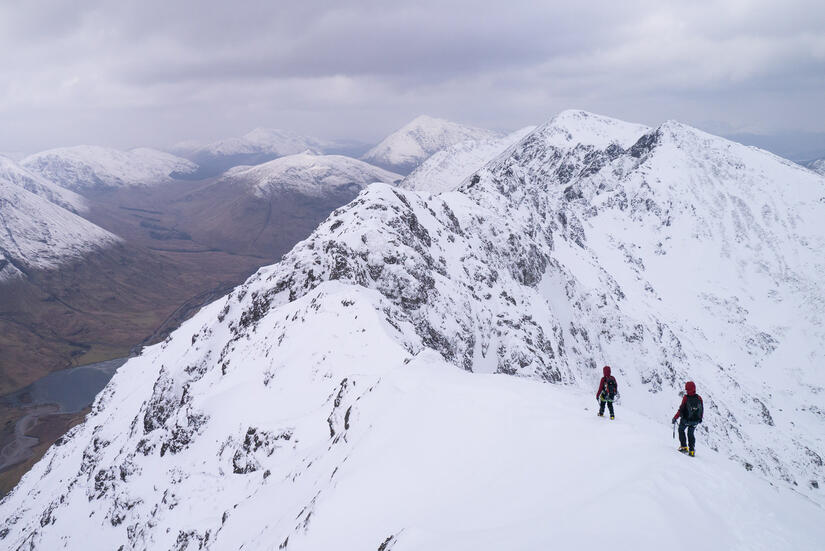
<point>693,409</point>
<point>610,388</point>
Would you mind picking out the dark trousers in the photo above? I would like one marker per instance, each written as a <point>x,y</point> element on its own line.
<point>602,402</point>
<point>691,438</point>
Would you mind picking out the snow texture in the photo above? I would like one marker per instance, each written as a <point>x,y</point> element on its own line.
<point>16,174</point>
<point>447,169</point>
<point>408,147</point>
<point>356,395</point>
<point>86,168</point>
<point>36,233</point>
<point>309,174</point>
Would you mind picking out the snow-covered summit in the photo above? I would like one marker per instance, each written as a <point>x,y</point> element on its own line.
<point>16,174</point>
<point>318,406</point>
<point>409,146</point>
<point>446,169</point>
<point>38,234</point>
<point>309,174</point>
<point>86,167</point>
<point>271,141</point>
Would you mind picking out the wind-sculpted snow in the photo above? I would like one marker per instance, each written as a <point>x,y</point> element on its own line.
<point>309,174</point>
<point>315,408</point>
<point>86,168</point>
<point>37,234</point>
<point>409,146</point>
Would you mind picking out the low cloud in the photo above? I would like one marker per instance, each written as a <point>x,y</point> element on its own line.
<point>133,73</point>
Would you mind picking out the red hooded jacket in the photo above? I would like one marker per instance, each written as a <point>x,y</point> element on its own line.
<point>690,389</point>
<point>603,382</point>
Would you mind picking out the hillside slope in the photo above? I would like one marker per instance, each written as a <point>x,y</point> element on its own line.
<point>38,234</point>
<point>265,209</point>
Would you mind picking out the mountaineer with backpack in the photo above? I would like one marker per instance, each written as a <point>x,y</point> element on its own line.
<point>689,414</point>
<point>607,392</point>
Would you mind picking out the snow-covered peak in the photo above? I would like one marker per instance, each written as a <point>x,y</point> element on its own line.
<point>16,174</point>
<point>573,127</point>
<point>38,234</point>
<point>87,167</point>
<point>406,148</point>
<point>448,168</point>
<point>260,141</point>
<point>309,174</point>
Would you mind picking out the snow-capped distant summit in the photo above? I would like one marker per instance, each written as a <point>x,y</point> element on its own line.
<point>323,403</point>
<point>39,234</point>
<point>16,174</point>
<point>409,146</point>
<point>309,174</point>
<point>260,141</point>
<point>87,168</point>
<point>446,169</point>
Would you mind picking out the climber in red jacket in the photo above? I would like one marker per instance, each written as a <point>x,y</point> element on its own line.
<point>608,388</point>
<point>690,414</point>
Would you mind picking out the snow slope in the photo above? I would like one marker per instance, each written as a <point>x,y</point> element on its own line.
<point>319,406</point>
<point>351,442</point>
<point>38,234</point>
<point>445,170</point>
<point>409,146</point>
<point>16,174</point>
<point>86,168</point>
<point>817,166</point>
<point>309,174</point>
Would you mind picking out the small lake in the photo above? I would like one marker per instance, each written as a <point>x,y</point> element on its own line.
<point>71,389</point>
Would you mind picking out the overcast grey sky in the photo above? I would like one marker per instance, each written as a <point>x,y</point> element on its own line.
<point>148,72</point>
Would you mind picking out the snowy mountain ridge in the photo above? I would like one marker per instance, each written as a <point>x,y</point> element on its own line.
<point>85,168</point>
<point>309,174</point>
<point>447,169</point>
<point>292,412</point>
<point>406,148</point>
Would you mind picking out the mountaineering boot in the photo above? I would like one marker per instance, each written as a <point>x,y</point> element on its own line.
<point>611,417</point>
<point>692,453</point>
<point>600,414</point>
<point>683,449</point>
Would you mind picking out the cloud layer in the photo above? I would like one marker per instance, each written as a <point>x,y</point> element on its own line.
<point>131,73</point>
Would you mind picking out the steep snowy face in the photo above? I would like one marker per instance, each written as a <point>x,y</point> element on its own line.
<point>37,234</point>
<point>308,174</point>
<point>312,407</point>
<point>87,168</point>
<point>406,148</point>
<point>16,174</point>
<point>447,169</point>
